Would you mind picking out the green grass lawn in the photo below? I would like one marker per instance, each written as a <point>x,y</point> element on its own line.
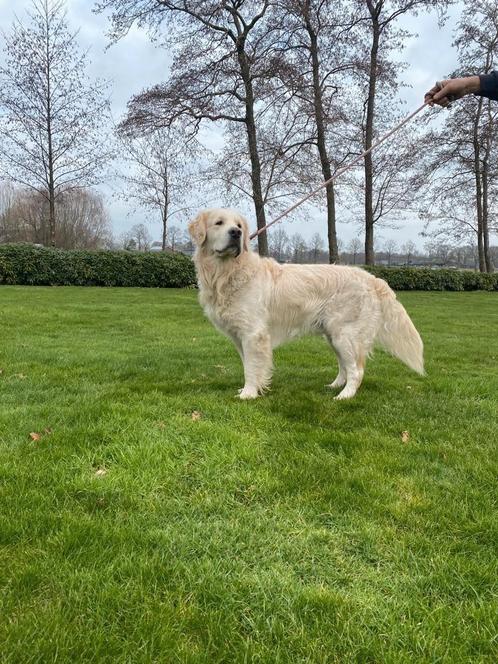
<point>292,528</point>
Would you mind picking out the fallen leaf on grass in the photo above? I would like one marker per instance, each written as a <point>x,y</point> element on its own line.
<point>36,436</point>
<point>100,472</point>
<point>196,415</point>
<point>405,436</point>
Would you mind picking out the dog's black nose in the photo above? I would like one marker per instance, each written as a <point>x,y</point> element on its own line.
<point>235,233</point>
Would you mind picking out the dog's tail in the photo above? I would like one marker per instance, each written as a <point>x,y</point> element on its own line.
<point>397,334</point>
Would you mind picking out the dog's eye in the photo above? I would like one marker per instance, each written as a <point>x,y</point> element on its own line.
<point>239,225</point>
<point>219,223</point>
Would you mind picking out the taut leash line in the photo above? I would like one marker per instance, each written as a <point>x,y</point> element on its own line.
<point>340,171</point>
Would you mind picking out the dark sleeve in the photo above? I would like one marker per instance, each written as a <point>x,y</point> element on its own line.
<point>489,85</point>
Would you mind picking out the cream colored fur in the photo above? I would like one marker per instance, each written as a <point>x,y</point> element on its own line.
<point>259,304</point>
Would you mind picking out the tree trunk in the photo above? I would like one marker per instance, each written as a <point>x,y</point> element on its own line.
<point>165,226</point>
<point>51,184</point>
<point>331,218</point>
<point>165,206</point>
<point>369,130</point>
<point>478,183</point>
<point>257,191</point>
<point>50,152</point>
<point>322,146</point>
<point>51,203</point>
<point>485,190</point>
<point>485,227</point>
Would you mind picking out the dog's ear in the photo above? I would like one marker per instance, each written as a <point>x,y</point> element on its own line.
<point>197,228</point>
<point>245,232</point>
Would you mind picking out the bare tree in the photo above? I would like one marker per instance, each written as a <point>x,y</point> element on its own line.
<point>461,159</point>
<point>493,251</point>
<point>222,51</point>
<point>278,242</point>
<point>378,38</point>
<point>50,136</point>
<point>298,248</point>
<point>161,174</point>
<point>176,236</point>
<point>7,223</point>
<point>354,248</point>
<point>315,247</point>
<point>409,248</point>
<point>485,167</point>
<point>390,247</point>
<point>340,247</point>
<point>83,222</point>
<point>137,238</point>
<point>315,59</point>
<point>288,164</point>
<point>440,252</point>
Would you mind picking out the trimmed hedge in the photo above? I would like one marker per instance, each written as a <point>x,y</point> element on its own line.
<point>25,264</point>
<point>409,278</point>
<point>38,266</point>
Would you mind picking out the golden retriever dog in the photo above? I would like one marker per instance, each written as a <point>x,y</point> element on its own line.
<point>259,304</point>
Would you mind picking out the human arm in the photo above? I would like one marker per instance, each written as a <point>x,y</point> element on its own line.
<point>444,92</point>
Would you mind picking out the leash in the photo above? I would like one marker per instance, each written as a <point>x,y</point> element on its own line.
<point>340,171</point>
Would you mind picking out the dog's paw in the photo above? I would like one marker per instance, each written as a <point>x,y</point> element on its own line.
<point>338,382</point>
<point>248,393</point>
<point>345,394</point>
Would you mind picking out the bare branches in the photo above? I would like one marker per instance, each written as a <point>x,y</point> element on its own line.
<point>162,174</point>
<point>297,87</point>
<point>222,70</point>
<point>462,162</point>
<point>82,220</point>
<point>52,115</point>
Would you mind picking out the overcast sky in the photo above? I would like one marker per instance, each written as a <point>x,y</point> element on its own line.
<point>135,63</point>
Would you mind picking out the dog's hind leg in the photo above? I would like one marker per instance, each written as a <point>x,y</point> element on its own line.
<point>354,364</point>
<point>258,362</point>
<point>340,379</point>
<point>351,363</point>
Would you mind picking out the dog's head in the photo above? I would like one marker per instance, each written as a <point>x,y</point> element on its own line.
<point>220,232</point>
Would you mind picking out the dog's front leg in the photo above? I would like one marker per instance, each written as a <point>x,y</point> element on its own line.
<point>238,345</point>
<point>257,358</point>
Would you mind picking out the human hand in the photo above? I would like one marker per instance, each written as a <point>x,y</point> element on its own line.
<point>444,92</point>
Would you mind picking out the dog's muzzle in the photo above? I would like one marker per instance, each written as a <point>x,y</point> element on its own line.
<point>234,243</point>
